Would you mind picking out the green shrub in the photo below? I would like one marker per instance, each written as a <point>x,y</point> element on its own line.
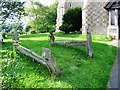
<point>11,32</point>
<point>28,27</point>
<point>23,31</point>
<point>19,31</point>
<point>4,34</point>
<point>8,76</point>
<point>43,31</point>
<point>32,32</point>
<point>72,20</point>
<point>66,27</point>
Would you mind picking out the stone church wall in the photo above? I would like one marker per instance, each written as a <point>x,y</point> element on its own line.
<point>69,5</point>
<point>63,6</point>
<point>94,16</point>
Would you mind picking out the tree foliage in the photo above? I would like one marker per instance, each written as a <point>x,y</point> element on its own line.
<point>8,27</point>
<point>72,20</point>
<point>28,28</point>
<point>43,18</point>
<point>12,10</point>
<point>34,11</point>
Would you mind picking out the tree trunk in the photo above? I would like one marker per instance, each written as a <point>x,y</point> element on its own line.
<point>36,23</point>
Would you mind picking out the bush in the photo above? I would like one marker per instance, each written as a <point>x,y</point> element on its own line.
<point>4,34</point>
<point>46,28</point>
<point>72,20</point>
<point>43,31</point>
<point>11,32</point>
<point>19,31</point>
<point>32,32</point>
<point>66,27</point>
<point>28,27</point>
<point>23,31</point>
<point>9,76</point>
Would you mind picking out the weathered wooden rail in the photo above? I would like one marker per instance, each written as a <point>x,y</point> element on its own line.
<point>71,43</point>
<point>46,58</point>
<point>87,43</point>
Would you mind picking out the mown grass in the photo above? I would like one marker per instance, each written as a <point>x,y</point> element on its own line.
<point>77,69</point>
<point>76,36</point>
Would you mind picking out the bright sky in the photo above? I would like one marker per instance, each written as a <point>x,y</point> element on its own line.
<point>44,2</point>
<point>47,2</point>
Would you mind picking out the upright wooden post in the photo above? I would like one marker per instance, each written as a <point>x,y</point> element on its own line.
<point>51,64</point>
<point>52,38</point>
<point>89,43</point>
<point>15,38</point>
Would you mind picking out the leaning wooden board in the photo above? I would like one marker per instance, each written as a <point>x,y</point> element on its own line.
<point>46,59</point>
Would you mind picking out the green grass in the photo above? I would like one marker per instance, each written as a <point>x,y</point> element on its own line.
<point>81,37</point>
<point>78,70</point>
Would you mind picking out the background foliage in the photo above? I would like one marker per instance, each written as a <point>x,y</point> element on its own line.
<point>12,10</point>
<point>72,20</point>
<point>42,18</point>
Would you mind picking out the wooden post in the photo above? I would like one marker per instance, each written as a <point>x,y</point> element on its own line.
<point>46,58</point>
<point>50,61</point>
<point>52,38</point>
<point>15,38</point>
<point>89,43</point>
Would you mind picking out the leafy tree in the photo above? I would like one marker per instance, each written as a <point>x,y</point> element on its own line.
<point>19,26</point>
<point>52,13</point>
<point>51,16</point>
<point>34,11</point>
<point>8,27</point>
<point>11,10</point>
<point>72,20</point>
<point>28,28</point>
<point>46,16</point>
<point>3,27</point>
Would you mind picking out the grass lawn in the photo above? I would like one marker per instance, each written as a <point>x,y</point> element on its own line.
<point>77,69</point>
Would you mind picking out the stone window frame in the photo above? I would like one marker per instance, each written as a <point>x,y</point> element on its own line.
<point>113,21</point>
<point>70,5</point>
<point>112,17</point>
